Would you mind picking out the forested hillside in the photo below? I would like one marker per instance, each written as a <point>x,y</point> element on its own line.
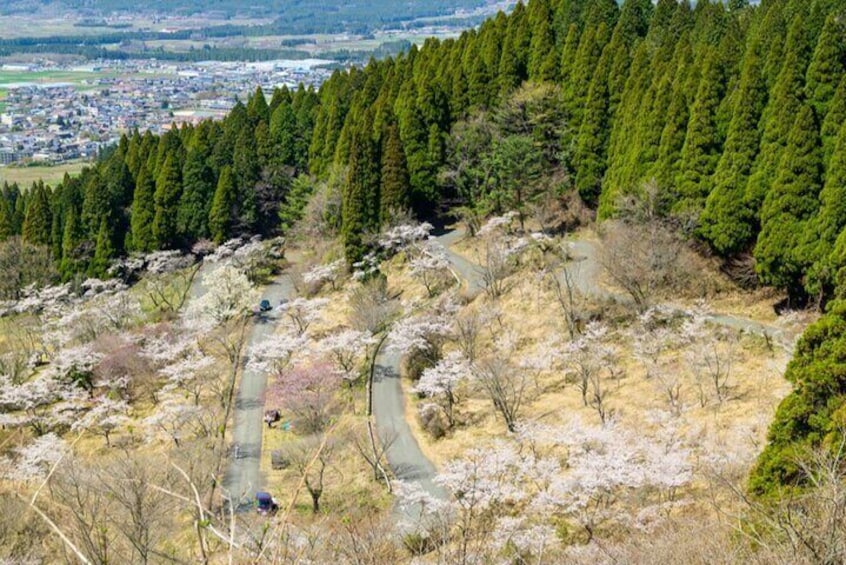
<point>734,112</point>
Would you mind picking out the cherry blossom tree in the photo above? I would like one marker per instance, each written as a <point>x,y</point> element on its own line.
<point>104,417</point>
<point>308,393</point>
<point>310,458</point>
<point>34,460</point>
<point>229,296</point>
<point>171,418</point>
<point>346,349</point>
<point>330,273</point>
<point>587,357</point>
<point>443,381</point>
<point>399,238</point>
<point>711,354</point>
<point>303,311</point>
<point>189,374</point>
<point>505,385</point>
<point>421,334</point>
<point>431,267</point>
<point>274,353</point>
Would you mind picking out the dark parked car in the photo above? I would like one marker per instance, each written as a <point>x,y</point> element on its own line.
<point>264,305</point>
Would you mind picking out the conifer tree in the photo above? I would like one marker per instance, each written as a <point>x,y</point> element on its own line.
<point>221,214</point>
<point>7,228</point>
<point>826,68</point>
<point>166,200</point>
<point>257,108</point>
<point>591,143</point>
<point>621,175</point>
<point>590,49</point>
<point>104,251</point>
<point>245,171</point>
<point>38,220</point>
<point>702,145</point>
<point>543,55</point>
<point>197,191</point>
<point>727,223</point>
<point>783,106</point>
<point>512,64</point>
<point>789,203</point>
<point>360,207</point>
<point>280,96</point>
<point>835,117</point>
<point>283,132</point>
<point>71,239</point>
<point>143,212</point>
<point>568,54</point>
<point>828,223</point>
<point>394,191</point>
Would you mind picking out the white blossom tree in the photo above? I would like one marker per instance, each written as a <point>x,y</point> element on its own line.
<point>34,460</point>
<point>273,354</point>
<point>303,311</point>
<point>442,382</point>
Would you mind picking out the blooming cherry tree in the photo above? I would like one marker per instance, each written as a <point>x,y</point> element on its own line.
<point>443,380</point>
<point>345,350</point>
<point>308,393</point>
<point>34,460</point>
<point>322,274</point>
<point>273,354</point>
<point>431,267</point>
<point>303,311</point>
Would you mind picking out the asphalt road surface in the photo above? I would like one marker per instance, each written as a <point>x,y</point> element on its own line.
<point>243,477</point>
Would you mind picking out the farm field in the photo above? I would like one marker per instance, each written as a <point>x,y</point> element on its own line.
<point>45,77</point>
<point>25,176</point>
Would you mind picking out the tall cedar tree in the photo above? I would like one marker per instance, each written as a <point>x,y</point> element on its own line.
<point>143,212</point>
<point>791,201</point>
<point>38,221</point>
<point>222,212</point>
<point>394,191</point>
<point>784,105</point>
<point>360,214</point>
<point>166,199</point>
<point>829,222</point>
<point>702,144</point>
<point>826,68</point>
<point>726,222</point>
<point>104,251</point>
<point>197,191</point>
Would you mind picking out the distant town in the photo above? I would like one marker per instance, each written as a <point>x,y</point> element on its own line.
<point>53,121</point>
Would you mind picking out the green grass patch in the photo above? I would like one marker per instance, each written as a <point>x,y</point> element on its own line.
<point>25,176</point>
<point>46,77</point>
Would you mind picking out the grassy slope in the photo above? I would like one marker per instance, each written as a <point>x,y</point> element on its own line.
<point>25,176</point>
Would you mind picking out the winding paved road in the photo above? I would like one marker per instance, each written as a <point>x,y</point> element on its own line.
<point>586,276</point>
<point>243,477</point>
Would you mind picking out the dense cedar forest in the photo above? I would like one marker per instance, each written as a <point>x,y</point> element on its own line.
<point>734,112</point>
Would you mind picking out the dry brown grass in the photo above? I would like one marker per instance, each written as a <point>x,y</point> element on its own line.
<point>738,424</point>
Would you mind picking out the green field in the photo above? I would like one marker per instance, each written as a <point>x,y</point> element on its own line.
<point>47,77</point>
<point>25,176</point>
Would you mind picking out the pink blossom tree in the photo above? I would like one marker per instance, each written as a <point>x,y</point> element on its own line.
<point>308,393</point>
